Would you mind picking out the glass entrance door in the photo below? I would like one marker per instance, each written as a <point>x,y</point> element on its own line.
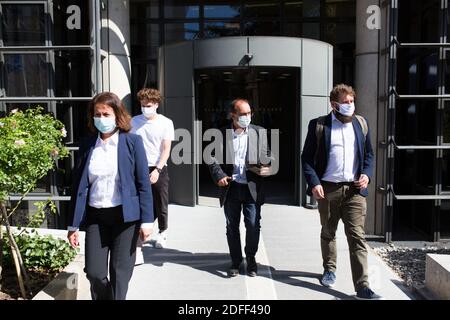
<point>271,92</point>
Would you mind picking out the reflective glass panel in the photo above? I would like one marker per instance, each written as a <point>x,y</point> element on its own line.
<point>144,41</point>
<point>262,28</point>
<point>72,69</point>
<point>446,71</point>
<point>302,9</point>
<point>418,21</point>
<point>181,9</point>
<point>221,29</point>
<point>445,220</point>
<point>417,177</point>
<point>446,171</point>
<point>23,24</point>
<point>63,175</point>
<point>343,37</point>
<point>74,117</point>
<point>144,9</point>
<point>304,30</point>
<point>25,74</point>
<point>261,8</point>
<point>415,122</point>
<point>447,122</point>
<point>417,71</point>
<point>143,75</point>
<point>175,32</point>
<point>221,9</point>
<point>412,220</point>
<point>340,8</point>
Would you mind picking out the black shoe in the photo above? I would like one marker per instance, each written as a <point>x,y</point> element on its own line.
<point>234,270</point>
<point>252,267</point>
<point>366,294</point>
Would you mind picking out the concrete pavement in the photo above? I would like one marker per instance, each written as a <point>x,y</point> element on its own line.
<point>194,265</point>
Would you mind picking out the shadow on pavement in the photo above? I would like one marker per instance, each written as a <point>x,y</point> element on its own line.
<point>291,278</point>
<point>215,263</point>
<point>218,264</point>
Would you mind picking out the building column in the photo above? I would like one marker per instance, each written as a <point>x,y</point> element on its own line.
<point>366,85</point>
<point>116,43</point>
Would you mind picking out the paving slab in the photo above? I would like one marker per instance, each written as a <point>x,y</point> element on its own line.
<point>194,265</point>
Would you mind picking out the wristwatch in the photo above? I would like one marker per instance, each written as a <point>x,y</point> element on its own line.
<point>158,169</point>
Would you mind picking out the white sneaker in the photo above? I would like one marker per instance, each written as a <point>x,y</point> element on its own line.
<point>161,240</point>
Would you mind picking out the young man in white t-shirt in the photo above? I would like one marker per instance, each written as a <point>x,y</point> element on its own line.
<point>157,132</point>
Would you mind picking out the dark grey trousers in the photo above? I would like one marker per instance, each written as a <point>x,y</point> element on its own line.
<point>108,236</point>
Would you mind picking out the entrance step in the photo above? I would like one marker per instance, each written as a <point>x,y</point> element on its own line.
<point>208,202</point>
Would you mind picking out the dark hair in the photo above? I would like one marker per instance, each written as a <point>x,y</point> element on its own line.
<point>149,94</point>
<point>123,119</point>
<point>235,102</point>
<point>341,89</point>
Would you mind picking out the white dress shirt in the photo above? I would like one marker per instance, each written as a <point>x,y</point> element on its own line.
<point>240,142</point>
<point>103,176</point>
<point>342,162</point>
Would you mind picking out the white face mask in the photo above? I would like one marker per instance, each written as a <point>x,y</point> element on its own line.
<point>149,111</point>
<point>346,109</point>
<point>244,121</point>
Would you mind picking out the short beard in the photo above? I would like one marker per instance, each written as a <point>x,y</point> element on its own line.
<point>343,119</point>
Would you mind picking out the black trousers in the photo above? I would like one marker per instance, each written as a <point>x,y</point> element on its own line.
<point>160,192</point>
<point>108,235</point>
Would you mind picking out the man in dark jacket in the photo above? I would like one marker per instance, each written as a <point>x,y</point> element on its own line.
<point>337,162</point>
<point>240,180</point>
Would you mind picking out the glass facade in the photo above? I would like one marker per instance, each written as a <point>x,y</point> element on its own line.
<point>155,23</point>
<point>419,121</point>
<point>47,61</point>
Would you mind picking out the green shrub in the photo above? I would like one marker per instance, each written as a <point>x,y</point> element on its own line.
<point>31,143</point>
<point>41,252</point>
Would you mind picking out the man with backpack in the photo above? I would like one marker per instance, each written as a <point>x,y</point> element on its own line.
<point>337,161</point>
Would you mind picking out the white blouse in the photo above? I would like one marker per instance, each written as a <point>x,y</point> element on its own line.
<point>103,174</point>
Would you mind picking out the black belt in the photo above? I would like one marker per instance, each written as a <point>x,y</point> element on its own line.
<point>238,184</point>
<point>339,184</point>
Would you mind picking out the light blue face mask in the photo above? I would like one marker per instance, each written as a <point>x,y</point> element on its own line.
<point>244,121</point>
<point>105,125</point>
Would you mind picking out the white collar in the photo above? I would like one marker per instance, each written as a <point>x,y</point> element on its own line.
<point>240,134</point>
<point>113,140</point>
<point>333,118</point>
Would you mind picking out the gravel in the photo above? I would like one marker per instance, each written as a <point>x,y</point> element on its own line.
<point>409,263</point>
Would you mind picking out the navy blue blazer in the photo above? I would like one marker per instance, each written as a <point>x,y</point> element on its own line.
<point>137,199</point>
<point>315,171</point>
